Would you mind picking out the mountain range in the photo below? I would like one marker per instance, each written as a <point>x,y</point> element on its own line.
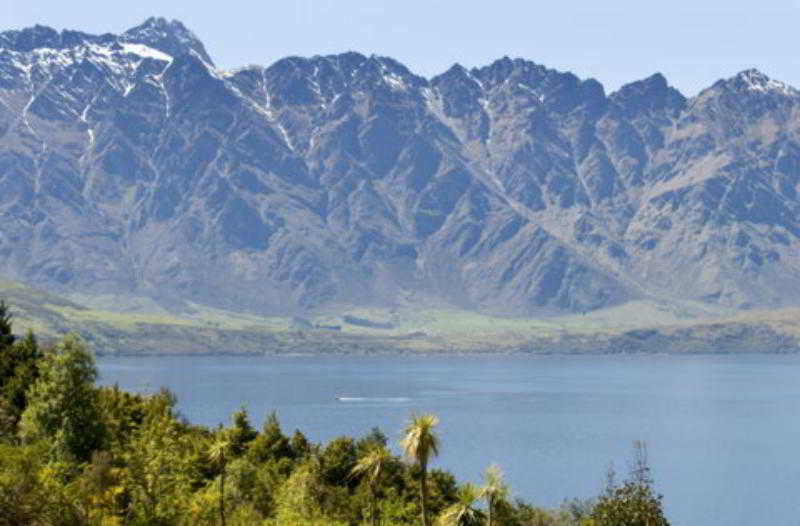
<point>130,165</point>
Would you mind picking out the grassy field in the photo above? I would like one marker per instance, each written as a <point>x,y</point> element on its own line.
<point>641,326</point>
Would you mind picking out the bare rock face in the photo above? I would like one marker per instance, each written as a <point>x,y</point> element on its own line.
<point>130,164</point>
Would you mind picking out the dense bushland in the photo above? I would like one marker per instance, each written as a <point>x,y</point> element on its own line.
<point>72,453</point>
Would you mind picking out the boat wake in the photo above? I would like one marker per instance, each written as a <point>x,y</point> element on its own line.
<point>389,399</point>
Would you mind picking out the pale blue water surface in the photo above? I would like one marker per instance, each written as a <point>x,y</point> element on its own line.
<point>723,431</point>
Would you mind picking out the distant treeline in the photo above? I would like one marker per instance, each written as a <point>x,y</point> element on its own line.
<point>73,453</point>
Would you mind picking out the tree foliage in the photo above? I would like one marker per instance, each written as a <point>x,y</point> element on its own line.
<point>6,334</point>
<point>495,491</point>
<point>63,404</point>
<point>372,466</point>
<point>420,443</point>
<point>75,454</point>
<point>464,511</point>
<point>634,503</point>
<point>18,370</point>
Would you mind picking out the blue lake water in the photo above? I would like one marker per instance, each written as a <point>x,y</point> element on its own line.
<point>723,432</point>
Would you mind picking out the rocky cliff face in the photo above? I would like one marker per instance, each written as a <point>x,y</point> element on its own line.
<point>130,164</point>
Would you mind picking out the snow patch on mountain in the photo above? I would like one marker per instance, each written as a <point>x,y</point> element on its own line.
<point>755,80</point>
<point>145,51</point>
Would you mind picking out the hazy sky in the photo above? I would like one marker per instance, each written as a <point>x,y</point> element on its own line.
<point>692,42</point>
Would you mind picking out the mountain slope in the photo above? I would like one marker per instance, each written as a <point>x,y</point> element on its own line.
<point>132,166</point>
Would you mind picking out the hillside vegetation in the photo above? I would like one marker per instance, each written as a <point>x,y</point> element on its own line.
<point>640,326</point>
<point>74,454</point>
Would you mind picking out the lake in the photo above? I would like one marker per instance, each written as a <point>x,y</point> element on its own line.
<point>722,431</point>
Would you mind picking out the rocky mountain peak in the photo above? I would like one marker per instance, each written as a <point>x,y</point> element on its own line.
<point>558,91</point>
<point>456,78</point>
<point>505,70</point>
<point>30,38</point>
<point>44,37</point>
<point>456,71</point>
<point>749,95</point>
<point>387,72</point>
<point>460,91</point>
<point>170,37</point>
<point>650,94</point>
<point>129,164</point>
<point>753,81</point>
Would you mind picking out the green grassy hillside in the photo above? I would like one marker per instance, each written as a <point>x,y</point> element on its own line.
<point>641,326</point>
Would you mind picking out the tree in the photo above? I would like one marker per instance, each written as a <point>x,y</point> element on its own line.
<point>634,503</point>
<point>22,499</point>
<point>372,465</point>
<point>157,464</point>
<point>19,369</point>
<point>494,491</point>
<point>300,499</point>
<point>463,512</point>
<point>271,443</point>
<point>241,433</point>
<point>8,421</point>
<point>218,455</point>
<point>123,413</point>
<point>420,443</point>
<point>63,404</point>
<point>374,438</point>
<point>299,445</point>
<point>97,489</point>
<point>6,336</point>
<point>337,462</point>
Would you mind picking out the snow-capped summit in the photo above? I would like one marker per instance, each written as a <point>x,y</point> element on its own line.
<point>758,81</point>
<point>128,164</point>
<point>171,37</point>
<point>753,80</point>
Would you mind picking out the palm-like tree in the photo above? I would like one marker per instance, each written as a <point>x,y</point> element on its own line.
<point>373,465</point>
<point>420,443</point>
<point>463,512</point>
<point>218,455</point>
<point>495,490</point>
